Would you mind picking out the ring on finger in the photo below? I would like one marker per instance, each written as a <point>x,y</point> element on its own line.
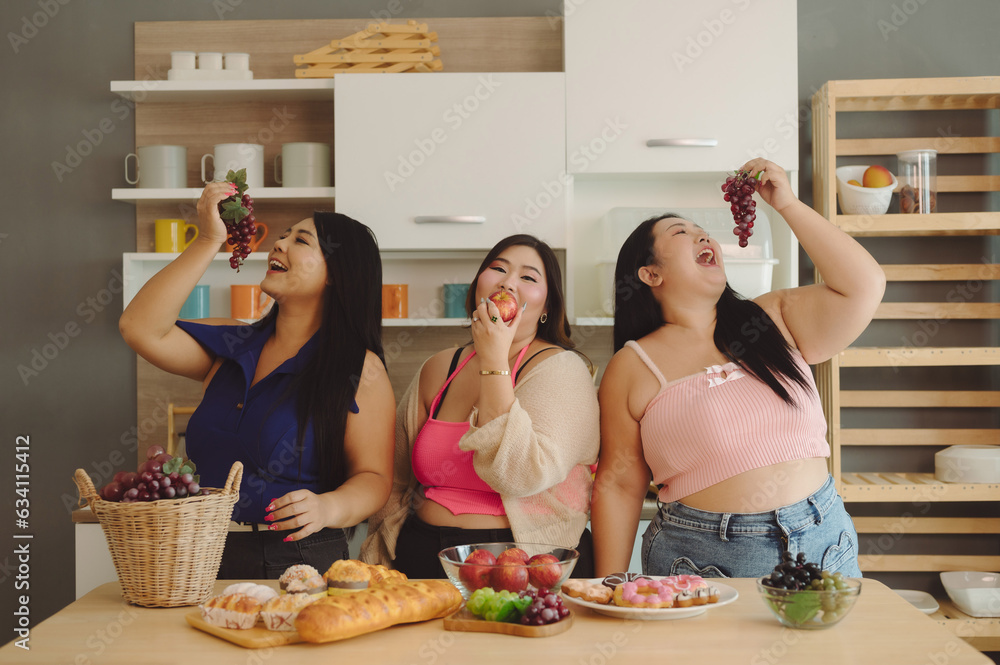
<point>493,319</point>
<point>475,317</point>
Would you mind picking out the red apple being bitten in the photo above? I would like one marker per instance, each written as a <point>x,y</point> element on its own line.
<point>506,303</point>
<point>544,571</point>
<point>477,576</point>
<point>510,576</point>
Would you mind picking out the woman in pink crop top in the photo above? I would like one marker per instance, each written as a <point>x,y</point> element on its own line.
<point>713,401</point>
<point>494,440</point>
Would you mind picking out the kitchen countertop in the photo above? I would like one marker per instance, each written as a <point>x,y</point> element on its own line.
<point>882,628</point>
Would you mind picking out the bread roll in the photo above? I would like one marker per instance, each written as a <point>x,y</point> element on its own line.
<point>339,617</point>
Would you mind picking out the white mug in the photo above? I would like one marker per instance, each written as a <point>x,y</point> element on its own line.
<point>233,157</point>
<point>182,60</point>
<point>237,61</point>
<point>209,60</point>
<point>303,165</point>
<point>161,166</point>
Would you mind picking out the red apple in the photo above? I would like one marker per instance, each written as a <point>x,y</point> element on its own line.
<point>476,573</point>
<point>544,571</point>
<point>506,303</point>
<point>509,575</point>
<point>876,176</point>
<point>515,554</point>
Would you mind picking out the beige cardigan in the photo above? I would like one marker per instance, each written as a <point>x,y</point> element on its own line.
<point>536,457</point>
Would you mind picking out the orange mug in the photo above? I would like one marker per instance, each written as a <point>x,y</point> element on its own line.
<point>254,243</point>
<point>394,304</point>
<point>247,301</point>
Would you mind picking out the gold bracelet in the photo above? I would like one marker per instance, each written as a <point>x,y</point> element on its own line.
<point>498,372</point>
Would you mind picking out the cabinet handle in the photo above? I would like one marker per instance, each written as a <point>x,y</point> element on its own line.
<point>450,219</point>
<point>684,143</point>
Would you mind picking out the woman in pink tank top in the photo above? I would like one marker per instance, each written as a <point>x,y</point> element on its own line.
<point>494,439</point>
<point>714,403</point>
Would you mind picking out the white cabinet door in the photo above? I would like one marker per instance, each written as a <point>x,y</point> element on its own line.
<point>452,161</point>
<point>661,86</point>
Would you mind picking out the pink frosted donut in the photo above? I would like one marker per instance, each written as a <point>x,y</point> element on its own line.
<point>643,593</point>
<point>678,583</point>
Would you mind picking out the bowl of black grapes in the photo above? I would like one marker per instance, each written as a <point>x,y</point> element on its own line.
<point>803,595</point>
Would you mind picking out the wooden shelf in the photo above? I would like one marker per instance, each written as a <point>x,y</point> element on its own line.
<point>884,486</point>
<point>885,436</point>
<point>159,195</point>
<point>932,224</point>
<point>981,633</point>
<point>919,357</point>
<point>254,90</point>
<point>938,310</point>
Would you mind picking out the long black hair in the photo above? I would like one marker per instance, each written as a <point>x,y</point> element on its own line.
<point>351,325</point>
<point>744,333</point>
<point>556,328</point>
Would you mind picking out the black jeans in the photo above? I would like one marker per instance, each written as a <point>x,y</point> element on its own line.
<point>418,544</point>
<point>259,555</point>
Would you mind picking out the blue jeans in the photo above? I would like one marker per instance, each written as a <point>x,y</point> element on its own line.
<point>684,540</point>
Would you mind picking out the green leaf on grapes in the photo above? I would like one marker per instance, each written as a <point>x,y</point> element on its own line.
<point>192,465</point>
<point>185,469</point>
<point>172,465</point>
<point>233,210</point>
<point>197,478</point>
<point>801,607</point>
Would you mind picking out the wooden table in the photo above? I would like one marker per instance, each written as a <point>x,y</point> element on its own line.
<point>882,628</point>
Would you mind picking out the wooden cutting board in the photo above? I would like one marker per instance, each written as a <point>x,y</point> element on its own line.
<point>257,637</point>
<point>464,621</point>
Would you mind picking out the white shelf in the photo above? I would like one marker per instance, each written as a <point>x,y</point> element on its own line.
<point>255,90</point>
<point>158,195</point>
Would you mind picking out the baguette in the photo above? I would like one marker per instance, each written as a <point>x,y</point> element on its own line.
<point>365,611</point>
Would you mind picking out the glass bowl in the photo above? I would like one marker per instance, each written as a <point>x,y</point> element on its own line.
<point>516,571</point>
<point>811,609</point>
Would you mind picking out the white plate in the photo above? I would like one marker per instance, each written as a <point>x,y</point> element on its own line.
<point>919,599</point>
<point>727,594</point>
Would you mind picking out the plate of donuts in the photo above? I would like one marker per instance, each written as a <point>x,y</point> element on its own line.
<point>597,595</point>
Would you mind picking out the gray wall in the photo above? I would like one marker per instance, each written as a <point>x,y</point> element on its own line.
<point>68,379</point>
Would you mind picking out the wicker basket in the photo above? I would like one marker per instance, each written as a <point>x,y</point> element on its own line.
<point>166,552</point>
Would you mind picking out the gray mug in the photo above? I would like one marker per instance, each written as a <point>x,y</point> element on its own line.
<point>160,166</point>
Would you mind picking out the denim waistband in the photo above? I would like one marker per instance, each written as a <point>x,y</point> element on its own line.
<point>809,510</point>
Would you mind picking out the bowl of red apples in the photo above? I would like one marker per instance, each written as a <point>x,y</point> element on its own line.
<point>513,567</point>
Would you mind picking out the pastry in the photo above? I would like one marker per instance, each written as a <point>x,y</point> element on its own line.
<point>381,574</point>
<point>691,590</point>
<point>234,610</point>
<point>347,574</point>
<point>260,592</point>
<point>302,579</point>
<point>644,593</point>
<point>339,617</point>
<point>279,613</point>
<point>588,591</point>
<point>614,579</point>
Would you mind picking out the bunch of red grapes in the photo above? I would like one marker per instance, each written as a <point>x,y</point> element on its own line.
<point>161,476</point>
<point>739,189</point>
<point>546,607</point>
<point>237,213</point>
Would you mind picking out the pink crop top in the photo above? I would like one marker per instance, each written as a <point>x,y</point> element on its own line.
<point>444,470</point>
<point>706,428</point>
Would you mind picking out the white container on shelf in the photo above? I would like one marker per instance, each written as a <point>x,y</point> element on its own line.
<point>748,269</point>
<point>968,464</point>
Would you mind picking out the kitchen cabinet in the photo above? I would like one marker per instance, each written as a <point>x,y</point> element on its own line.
<point>672,87</point>
<point>452,161</point>
<point>947,338</point>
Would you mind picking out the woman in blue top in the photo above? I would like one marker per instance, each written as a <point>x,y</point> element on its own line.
<point>301,397</point>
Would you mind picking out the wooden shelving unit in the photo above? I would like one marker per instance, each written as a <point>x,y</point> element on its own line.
<point>892,485</point>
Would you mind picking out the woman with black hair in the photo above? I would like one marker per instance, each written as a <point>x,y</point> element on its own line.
<point>711,397</point>
<point>300,397</point>
<point>494,439</point>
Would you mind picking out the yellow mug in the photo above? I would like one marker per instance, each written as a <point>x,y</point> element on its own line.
<point>171,235</point>
<point>247,301</point>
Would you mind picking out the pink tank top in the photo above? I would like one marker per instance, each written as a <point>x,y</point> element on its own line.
<point>706,428</point>
<point>444,470</point>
